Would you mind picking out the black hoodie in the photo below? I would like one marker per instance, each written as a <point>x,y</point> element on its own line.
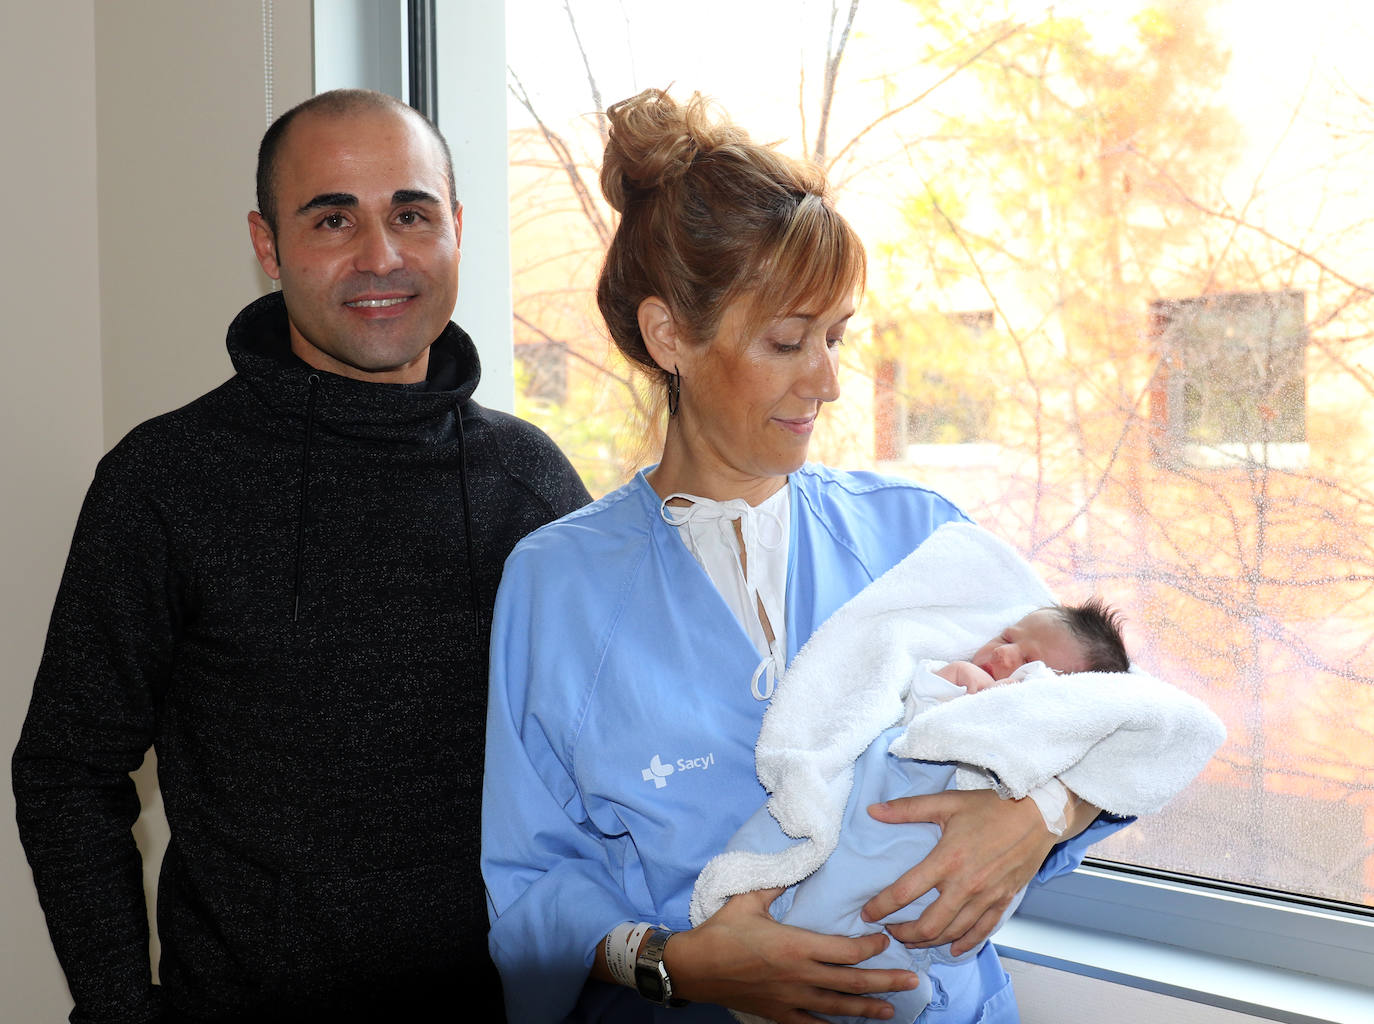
<point>284,587</point>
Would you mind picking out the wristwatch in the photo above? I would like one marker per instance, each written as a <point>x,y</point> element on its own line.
<point>651,974</point>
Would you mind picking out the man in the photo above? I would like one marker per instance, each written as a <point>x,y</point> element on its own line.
<point>285,588</point>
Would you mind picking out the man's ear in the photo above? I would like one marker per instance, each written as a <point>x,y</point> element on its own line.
<point>264,245</point>
<point>660,333</point>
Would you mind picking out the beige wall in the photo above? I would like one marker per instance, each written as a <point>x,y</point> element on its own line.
<point>50,404</point>
<point>130,131</point>
<point>180,107</point>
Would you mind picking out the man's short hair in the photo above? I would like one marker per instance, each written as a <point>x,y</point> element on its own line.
<point>335,102</point>
<point>1098,628</point>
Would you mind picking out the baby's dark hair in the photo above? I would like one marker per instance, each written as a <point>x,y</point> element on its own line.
<point>1098,628</point>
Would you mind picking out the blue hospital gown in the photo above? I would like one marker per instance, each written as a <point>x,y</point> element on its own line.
<point>621,729</point>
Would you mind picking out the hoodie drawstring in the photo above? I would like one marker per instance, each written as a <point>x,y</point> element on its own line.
<point>467,532</point>
<point>304,502</point>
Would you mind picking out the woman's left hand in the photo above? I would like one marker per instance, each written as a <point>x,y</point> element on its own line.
<point>989,849</point>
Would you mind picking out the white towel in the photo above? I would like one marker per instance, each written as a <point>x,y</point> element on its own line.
<point>1095,731</point>
<point>1125,742</point>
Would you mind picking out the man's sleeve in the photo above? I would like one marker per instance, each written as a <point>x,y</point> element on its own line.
<point>90,723</point>
<point>570,493</point>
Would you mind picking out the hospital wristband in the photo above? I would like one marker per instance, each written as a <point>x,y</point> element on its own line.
<point>615,951</point>
<point>1052,798</point>
<point>622,950</point>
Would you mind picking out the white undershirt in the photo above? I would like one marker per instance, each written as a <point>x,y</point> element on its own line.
<point>707,528</point>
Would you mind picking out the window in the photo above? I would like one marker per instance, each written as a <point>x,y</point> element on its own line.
<point>1231,383</point>
<point>1164,396</point>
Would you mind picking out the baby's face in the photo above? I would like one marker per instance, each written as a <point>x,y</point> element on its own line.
<point>1040,636</point>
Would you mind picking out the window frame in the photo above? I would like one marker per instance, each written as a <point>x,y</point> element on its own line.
<point>1278,956</point>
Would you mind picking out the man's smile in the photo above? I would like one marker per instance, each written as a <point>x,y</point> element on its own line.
<point>377,303</point>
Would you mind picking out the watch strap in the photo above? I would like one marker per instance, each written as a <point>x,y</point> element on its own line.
<point>651,973</point>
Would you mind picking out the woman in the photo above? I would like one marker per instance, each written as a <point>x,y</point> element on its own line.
<point>636,642</point>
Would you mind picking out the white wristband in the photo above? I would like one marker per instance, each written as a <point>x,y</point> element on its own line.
<point>622,949</point>
<point>616,963</point>
<point>1053,800</point>
<point>632,945</point>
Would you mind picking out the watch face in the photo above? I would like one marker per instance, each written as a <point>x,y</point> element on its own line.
<point>649,980</point>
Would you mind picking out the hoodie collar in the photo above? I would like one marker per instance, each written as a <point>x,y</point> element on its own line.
<point>260,348</point>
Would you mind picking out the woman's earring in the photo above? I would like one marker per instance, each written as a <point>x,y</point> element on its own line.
<point>674,391</point>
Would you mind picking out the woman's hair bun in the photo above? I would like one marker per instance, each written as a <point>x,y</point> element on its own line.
<point>654,140</point>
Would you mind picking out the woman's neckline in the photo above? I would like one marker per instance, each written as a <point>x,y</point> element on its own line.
<point>753,496</point>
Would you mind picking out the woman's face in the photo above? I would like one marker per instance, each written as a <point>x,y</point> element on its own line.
<point>749,402</point>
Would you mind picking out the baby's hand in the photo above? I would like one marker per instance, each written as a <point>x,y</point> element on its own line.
<point>966,674</point>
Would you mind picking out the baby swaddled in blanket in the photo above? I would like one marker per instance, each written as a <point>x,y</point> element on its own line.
<point>865,714</point>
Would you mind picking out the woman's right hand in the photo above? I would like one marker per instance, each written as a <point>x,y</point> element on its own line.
<point>742,958</point>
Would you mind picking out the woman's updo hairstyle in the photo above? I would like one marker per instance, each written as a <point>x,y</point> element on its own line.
<point>706,216</point>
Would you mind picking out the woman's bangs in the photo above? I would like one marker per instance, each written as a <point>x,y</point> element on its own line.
<point>820,263</point>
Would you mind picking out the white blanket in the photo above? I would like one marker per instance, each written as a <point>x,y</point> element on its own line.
<point>1125,742</point>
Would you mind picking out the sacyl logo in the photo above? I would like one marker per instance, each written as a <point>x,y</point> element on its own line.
<point>658,772</point>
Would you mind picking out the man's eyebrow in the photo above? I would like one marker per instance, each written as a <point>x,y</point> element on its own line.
<point>413,195</point>
<point>329,199</point>
<point>398,198</point>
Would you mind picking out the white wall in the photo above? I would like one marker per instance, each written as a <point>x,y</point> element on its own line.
<point>130,135</point>
<point>471,40</point>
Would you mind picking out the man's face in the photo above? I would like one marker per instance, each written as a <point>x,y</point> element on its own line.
<point>366,246</point>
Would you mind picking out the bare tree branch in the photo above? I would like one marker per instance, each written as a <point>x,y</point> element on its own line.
<point>566,160</point>
<point>1258,229</point>
<point>888,115</point>
<point>600,368</point>
<point>602,126</point>
<point>834,52</point>
<point>1017,340</point>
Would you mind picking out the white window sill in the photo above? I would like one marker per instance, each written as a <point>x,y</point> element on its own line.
<point>1330,985</point>
<point>1265,992</point>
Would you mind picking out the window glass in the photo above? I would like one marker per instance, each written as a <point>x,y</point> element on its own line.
<point>1118,308</point>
